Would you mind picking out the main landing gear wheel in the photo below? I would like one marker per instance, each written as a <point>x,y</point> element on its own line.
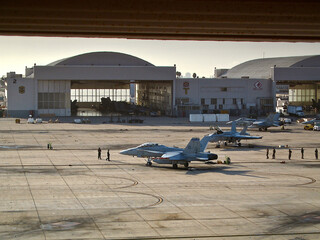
<point>260,129</point>
<point>186,164</point>
<point>239,144</point>
<point>175,165</point>
<point>149,162</point>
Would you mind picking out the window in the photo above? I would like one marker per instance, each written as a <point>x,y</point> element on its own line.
<point>223,101</point>
<point>224,89</point>
<point>51,100</point>
<point>95,95</point>
<point>203,101</point>
<point>234,100</point>
<point>213,101</point>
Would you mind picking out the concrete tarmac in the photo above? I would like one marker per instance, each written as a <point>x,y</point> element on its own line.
<point>67,193</point>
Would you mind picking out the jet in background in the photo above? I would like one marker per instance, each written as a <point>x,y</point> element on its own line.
<point>271,121</point>
<point>172,155</point>
<point>243,121</point>
<point>231,137</point>
<point>312,121</point>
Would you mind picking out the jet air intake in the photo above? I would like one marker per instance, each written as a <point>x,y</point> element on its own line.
<point>212,156</point>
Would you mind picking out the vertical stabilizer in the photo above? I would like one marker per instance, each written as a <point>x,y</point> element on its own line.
<point>193,146</point>
<point>276,117</point>
<point>270,117</point>
<point>204,143</point>
<point>244,129</point>
<point>234,127</point>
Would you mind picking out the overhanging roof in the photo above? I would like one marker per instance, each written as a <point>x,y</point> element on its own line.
<point>245,20</point>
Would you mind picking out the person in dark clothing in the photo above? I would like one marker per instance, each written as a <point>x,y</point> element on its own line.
<point>290,152</point>
<point>99,153</point>
<point>108,155</point>
<point>273,153</point>
<point>316,153</point>
<point>267,153</point>
<point>302,153</point>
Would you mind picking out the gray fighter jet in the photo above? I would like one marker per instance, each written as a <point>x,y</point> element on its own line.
<point>271,121</point>
<point>172,155</point>
<point>231,137</point>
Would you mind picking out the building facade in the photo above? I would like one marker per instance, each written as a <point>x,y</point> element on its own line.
<point>250,87</point>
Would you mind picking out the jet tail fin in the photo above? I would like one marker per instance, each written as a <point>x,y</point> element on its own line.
<point>193,146</point>
<point>234,127</point>
<point>204,143</point>
<point>270,117</point>
<point>276,117</point>
<point>244,129</point>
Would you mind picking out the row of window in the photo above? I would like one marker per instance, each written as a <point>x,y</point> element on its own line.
<point>52,100</point>
<point>95,95</point>
<point>301,95</point>
<point>214,101</point>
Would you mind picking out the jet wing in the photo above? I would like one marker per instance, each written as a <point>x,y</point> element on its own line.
<point>150,153</point>
<point>173,156</point>
<point>247,137</point>
<point>215,138</point>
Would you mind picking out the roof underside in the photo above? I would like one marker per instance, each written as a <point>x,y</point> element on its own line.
<point>245,20</point>
<point>261,68</point>
<point>101,59</point>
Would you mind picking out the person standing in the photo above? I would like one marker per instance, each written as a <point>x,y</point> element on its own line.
<point>316,153</point>
<point>290,152</point>
<point>267,153</point>
<point>108,155</point>
<point>273,153</point>
<point>99,153</point>
<point>302,153</point>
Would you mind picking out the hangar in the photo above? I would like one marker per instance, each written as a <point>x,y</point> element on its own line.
<point>250,87</point>
<point>48,90</point>
<point>296,79</point>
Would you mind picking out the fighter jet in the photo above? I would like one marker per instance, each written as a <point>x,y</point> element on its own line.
<point>231,137</point>
<point>271,121</point>
<point>172,155</point>
<point>242,121</point>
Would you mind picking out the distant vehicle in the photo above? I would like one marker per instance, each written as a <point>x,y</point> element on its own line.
<point>316,126</point>
<point>295,110</point>
<point>286,120</point>
<point>271,121</point>
<point>233,136</point>
<point>30,120</point>
<point>172,155</point>
<point>308,127</point>
<point>77,120</point>
<point>39,120</point>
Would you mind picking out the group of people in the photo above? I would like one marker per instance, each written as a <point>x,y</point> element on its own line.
<point>290,153</point>
<point>108,154</point>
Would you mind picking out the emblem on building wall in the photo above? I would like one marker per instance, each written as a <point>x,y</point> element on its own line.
<point>22,89</point>
<point>257,85</point>
<point>186,87</point>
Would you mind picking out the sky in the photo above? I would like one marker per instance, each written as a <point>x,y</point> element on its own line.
<point>200,57</point>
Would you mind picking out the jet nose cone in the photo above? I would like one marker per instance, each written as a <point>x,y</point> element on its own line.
<point>129,151</point>
<point>124,152</point>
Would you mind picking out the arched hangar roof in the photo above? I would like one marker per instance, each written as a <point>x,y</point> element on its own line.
<point>101,59</point>
<point>260,68</point>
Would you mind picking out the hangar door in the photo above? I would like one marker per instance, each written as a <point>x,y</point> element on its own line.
<point>54,98</point>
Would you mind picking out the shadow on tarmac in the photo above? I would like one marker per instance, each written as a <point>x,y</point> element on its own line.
<point>224,170</point>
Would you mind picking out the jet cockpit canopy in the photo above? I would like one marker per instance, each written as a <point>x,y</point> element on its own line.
<point>144,145</point>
